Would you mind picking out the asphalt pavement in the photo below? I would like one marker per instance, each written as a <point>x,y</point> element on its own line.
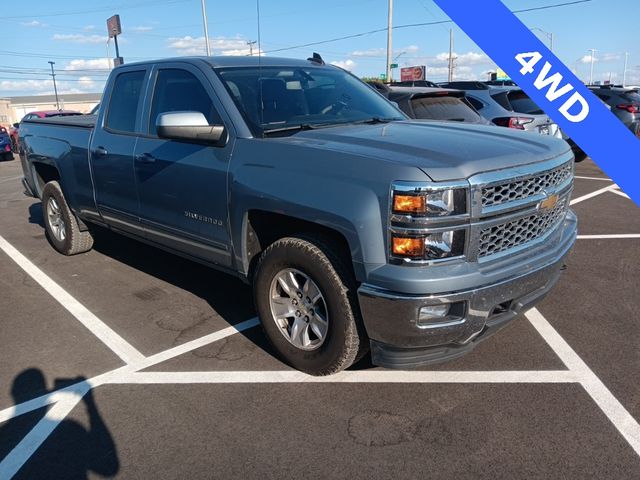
<point>129,362</point>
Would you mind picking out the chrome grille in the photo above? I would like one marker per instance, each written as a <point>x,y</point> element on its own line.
<point>515,233</point>
<point>521,189</point>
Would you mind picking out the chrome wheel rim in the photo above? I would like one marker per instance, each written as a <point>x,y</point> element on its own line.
<point>56,220</point>
<point>299,309</point>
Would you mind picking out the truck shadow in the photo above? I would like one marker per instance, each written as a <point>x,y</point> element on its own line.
<point>228,296</point>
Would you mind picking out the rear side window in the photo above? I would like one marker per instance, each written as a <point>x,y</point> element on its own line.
<point>477,104</point>
<point>631,97</point>
<point>521,103</point>
<point>125,101</point>
<point>178,91</point>
<point>443,108</point>
<point>502,100</point>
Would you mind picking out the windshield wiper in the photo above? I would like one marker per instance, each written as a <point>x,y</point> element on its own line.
<point>290,128</point>
<point>375,120</point>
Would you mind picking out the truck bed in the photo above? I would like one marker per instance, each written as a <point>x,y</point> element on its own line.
<point>80,121</point>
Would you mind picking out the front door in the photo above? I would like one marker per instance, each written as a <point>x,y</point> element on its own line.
<point>182,186</point>
<point>112,149</point>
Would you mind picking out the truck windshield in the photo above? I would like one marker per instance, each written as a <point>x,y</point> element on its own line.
<point>272,99</point>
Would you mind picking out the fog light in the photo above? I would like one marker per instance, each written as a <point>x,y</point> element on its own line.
<point>433,312</point>
<point>442,315</point>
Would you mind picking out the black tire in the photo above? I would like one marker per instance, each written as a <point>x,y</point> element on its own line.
<point>580,156</point>
<point>73,241</point>
<point>345,339</point>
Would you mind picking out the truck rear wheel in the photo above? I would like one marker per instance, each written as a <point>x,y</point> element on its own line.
<point>306,300</point>
<point>61,225</point>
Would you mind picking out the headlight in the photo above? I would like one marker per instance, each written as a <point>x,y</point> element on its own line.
<point>432,246</point>
<point>437,203</point>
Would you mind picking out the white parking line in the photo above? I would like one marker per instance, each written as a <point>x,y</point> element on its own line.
<point>611,407</point>
<point>607,237</point>
<point>14,461</point>
<point>593,178</point>
<point>621,193</point>
<point>593,194</point>
<point>101,330</point>
<point>113,375</point>
<point>360,376</point>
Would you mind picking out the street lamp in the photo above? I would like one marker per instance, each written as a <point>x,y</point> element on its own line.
<point>546,34</point>
<point>55,88</point>
<point>593,55</point>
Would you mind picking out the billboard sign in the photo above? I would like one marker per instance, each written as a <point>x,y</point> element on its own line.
<point>412,74</point>
<point>113,26</point>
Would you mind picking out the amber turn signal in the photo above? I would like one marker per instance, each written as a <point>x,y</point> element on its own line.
<point>409,204</point>
<point>408,247</point>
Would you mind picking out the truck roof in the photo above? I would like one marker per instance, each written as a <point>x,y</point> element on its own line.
<point>235,61</point>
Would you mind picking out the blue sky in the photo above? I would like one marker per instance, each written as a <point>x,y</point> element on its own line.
<point>73,34</point>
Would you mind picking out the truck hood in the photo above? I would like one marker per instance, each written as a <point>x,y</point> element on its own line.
<point>444,151</point>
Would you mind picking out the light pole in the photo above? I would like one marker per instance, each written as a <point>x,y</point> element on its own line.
<point>624,75</point>
<point>55,88</point>
<point>546,34</point>
<point>389,41</point>
<point>593,54</point>
<point>206,28</point>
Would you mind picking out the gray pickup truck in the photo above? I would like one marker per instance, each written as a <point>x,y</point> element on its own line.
<point>358,228</point>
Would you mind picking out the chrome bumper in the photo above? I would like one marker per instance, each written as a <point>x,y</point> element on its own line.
<point>391,318</point>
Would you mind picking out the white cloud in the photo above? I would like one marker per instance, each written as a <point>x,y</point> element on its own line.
<point>605,57</point>
<point>89,28</point>
<point>80,38</point>
<point>34,24</point>
<point>464,59</point>
<point>220,46</point>
<point>141,28</point>
<point>346,64</point>
<point>93,64</point>
<point>372,52</point>
<point>43,87</point>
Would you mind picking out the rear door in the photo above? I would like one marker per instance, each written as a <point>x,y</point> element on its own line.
<point>183,185</point>
<point>112,150</point>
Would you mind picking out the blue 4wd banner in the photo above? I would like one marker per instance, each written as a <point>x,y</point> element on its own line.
<point>553,87</point>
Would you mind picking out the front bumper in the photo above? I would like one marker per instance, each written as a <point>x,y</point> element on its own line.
<point>398,341</point>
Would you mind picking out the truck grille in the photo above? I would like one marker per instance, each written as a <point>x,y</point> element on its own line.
<point>521,189</point>
<point>515,233</point>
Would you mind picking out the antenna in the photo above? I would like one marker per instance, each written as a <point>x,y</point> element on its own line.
<point>259,42</point>
<point>260,69</point>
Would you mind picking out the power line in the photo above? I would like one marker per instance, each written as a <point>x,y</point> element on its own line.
<point>122,6</point>
<point>413,25</point>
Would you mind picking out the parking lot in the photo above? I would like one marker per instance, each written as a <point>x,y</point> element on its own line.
<point>130,362</point>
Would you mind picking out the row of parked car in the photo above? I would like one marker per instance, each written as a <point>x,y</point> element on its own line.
<point>10,137</point>
<point>503,105</point>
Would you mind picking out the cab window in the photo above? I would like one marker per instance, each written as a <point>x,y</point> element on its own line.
<point>125,101</point>
<point>178,90</point>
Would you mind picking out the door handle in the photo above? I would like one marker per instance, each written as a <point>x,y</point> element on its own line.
<point>100,152</point>
<point>145,158</point>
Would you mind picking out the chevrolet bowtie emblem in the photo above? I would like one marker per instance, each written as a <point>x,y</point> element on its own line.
<point>548,203</point>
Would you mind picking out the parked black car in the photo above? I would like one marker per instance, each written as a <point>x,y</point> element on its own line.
<point>624,103</point>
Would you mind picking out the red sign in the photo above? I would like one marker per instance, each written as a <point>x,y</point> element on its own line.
<point>113,26</point>
<point>412,74</point>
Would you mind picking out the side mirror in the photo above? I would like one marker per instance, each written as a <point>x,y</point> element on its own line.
<point>16,125</point>
<point>190,127</point>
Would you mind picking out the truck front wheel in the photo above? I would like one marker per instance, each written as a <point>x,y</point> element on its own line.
<point>306,300</point>
<point>61,225</point>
